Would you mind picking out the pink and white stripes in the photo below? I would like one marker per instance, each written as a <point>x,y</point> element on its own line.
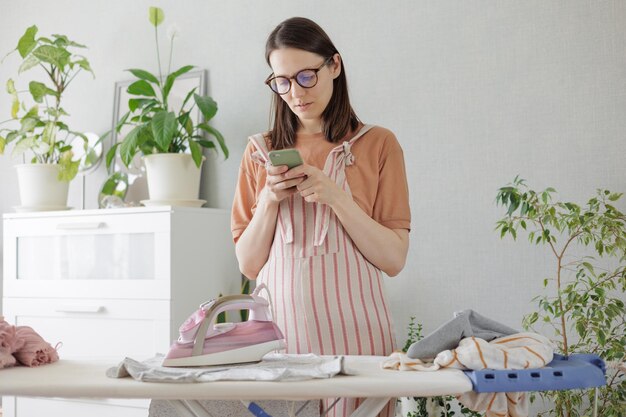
<point>327,298</point>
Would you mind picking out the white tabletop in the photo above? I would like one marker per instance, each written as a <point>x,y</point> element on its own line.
<point>72,379</point>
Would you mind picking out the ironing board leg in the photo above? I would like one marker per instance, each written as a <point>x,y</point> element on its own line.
<point>189,408</point>
<point>370,407</point>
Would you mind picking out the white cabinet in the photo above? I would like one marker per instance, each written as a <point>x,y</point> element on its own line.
<point>112,283</point>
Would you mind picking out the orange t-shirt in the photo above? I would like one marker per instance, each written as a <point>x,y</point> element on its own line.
<point>377,178</point>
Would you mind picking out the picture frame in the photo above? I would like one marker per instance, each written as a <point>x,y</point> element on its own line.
<point>137,186</point>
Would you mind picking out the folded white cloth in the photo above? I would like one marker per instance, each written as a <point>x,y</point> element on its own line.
<point>516,351</point>
<point>273,367</point>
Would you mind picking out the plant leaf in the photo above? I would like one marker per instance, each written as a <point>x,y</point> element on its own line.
<point>11,87</point>
<point>196,152</point>
<point>169,81</point>
<point>137,103</point>
<point>84,64</point>
<point>155,15</point>
<point>128,147</point>
<point>28,124</point>
<point>218,136</point>
<point>23,145</point>
<point>189,125</point>
<point>48,133</point>
<point>206,144</point>
<point>15,105</point>
<point>207,106</point>
<point>144,75</point>
<point>56,113</point>
<point>122,121</point>
<point>39,90</point>
<point>27,42</point>
<point>163,128</point>
<point>189,94</point>
<point>53,55</point>
<point>111,154</point>
<point>141,88</point>
<point>63,41</point>
<point>69,168</point>
<point>28,63</point>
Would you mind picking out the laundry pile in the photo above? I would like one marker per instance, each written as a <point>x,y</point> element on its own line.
<point>472,341</point>
<point>21,345</point>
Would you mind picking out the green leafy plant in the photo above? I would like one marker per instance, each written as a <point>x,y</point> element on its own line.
<point>156,128</point>
<point>583,301</point>
<point>446,405</point>
<point>41,129</point>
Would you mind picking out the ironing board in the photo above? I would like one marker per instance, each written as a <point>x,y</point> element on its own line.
<point>83,379</point>
<point>87,379</point>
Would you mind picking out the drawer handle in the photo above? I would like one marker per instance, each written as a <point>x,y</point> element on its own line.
<point>80,226</point>
<point>80,309</point>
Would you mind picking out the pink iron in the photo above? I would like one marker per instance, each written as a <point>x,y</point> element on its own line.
<point>203,342</point>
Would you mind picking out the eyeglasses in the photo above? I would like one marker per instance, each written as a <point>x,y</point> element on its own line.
<point>306,78</point>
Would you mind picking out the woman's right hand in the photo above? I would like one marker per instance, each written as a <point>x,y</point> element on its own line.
<point>277,188</point>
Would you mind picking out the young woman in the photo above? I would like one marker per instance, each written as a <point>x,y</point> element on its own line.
<point>320,235</point>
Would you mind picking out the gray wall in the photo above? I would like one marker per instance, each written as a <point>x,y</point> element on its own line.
<point>476,91</point>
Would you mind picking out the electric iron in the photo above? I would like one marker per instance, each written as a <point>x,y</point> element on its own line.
<point>202,342</point>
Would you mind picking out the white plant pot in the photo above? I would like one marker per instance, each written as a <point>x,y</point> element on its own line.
<point>172,177</point>
<point>40,188</point>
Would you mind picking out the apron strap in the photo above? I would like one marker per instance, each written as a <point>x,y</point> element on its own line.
<point>260,156</point>
<point>341,156</point>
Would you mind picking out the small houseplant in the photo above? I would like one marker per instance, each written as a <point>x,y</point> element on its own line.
<point>163,135</point>
<point>583,303</point>
<point>42,131</point>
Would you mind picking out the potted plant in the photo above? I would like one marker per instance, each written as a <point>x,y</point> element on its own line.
<point>44,183</point>
<point>169,140</point>
<point>583,304</point>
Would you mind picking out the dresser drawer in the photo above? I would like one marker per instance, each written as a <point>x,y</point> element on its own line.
<point>88,256</point>
<point>96,328</point>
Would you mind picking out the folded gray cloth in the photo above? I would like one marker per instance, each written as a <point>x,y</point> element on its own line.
<point>273,367</point>
<point>465,323</point>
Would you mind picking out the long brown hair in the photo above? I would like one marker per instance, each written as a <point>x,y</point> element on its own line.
<point>338,119</point>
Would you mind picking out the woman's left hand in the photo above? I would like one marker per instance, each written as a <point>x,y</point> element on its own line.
<point>318,187</point>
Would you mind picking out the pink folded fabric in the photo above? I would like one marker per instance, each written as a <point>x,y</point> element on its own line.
<point>9,341</point>
<point>6,359</point>
<point>35,350</point>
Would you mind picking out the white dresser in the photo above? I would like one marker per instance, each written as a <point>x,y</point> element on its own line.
<point>111,283</point>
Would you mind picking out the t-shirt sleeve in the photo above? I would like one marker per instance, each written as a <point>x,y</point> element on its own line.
<point>246,193</point>
<point>391,206</point>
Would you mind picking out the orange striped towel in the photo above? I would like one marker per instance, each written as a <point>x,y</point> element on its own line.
<point>516,351</point>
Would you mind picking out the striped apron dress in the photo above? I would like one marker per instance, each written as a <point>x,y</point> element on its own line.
<point>326,297</point>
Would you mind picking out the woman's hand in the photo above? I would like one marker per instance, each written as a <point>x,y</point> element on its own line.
<point>317,187</point>
<point>280,182</point>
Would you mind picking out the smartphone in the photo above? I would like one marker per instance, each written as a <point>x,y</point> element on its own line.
<point>289,157</point>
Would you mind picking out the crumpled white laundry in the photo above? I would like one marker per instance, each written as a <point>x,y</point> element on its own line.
<point>516,351</point>
<point>273,367</point>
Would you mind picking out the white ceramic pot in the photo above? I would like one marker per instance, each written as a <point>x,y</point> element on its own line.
<point>40,187</point>
<point>172,176</point>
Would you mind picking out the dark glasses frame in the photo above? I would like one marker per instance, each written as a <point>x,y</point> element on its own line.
<point>272,78</point>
